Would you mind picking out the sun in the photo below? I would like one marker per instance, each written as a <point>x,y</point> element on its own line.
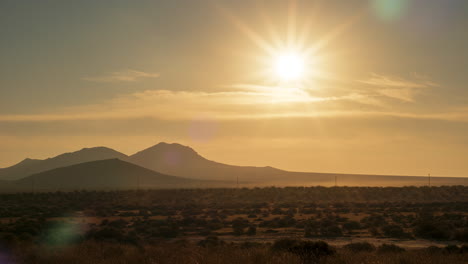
<point>289,66</point>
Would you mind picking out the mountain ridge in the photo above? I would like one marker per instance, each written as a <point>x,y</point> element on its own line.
<point>108,174</point>
<point>31,166</point>
<point>183,161</point>
<point>168,158</point>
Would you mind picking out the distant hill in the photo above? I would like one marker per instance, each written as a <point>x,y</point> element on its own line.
<point>31,166</point>
<point>109,174</point>
<point>182,161</point>
<point>178,160</point>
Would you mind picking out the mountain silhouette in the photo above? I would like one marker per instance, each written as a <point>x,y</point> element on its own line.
<point>108,174</point>
<point>31,166</point>
<point>182,161</point>
<point>178,160</point>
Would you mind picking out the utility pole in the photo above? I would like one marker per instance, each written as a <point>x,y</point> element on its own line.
<point>429,179</point>
<point>336,180</point>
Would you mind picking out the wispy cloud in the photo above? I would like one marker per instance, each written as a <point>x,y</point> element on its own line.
<point>121,76</point>
<point>227,105</point>
<point>282,94</point>
<point>402,89</point>
<point>397,82</point>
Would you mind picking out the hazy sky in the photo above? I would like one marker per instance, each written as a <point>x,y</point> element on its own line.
<point>384,88</point>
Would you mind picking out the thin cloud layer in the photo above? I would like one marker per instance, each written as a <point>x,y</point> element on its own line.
<point>396,87</point>
<point>122,76</point>
<point>187,105</point>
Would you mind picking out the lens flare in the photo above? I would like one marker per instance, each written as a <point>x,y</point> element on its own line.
<point>390,10</point>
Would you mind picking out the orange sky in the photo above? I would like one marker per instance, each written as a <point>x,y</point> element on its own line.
<point>382,91</point>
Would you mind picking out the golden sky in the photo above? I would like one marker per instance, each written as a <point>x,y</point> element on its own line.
<point>360,86</point>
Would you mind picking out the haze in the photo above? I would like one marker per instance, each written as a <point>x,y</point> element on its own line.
<point>383,89</point>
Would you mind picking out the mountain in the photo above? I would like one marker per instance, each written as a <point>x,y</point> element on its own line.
<point>100,175</point>
<point>182,161</point>
<point>31,166</point>
<point>178,160</point>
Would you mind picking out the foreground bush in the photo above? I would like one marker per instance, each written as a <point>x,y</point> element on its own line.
<point>307,251</point>
<point>390,248</point>
<point>185,252</point>
<point>360,247</point>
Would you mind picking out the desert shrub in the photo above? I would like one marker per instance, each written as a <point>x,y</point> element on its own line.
<point>462,235</point>
<point>108,234</point>
<point>307,251</point>
<point>284,244</point>
<point>394,231</point>
<point>251,231</point>
<point>238,226</point>
<point>451,249</point>
<point>310,231</point>
<point>310,251</point>
<point>120,223</point>
<point>248,244</point>
<point>464,249</point>
<point>8,240</point>
<point>431,230</point>
<point>360,247</point>
<point>169,231</point>
<point>329,228</point>
<point>210,241</point>
<point>351,225</point>
<point>374,221</point>
<point>390,248</point>
<point>433,250</point>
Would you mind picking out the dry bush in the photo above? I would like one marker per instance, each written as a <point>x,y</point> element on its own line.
<point>187,253</point>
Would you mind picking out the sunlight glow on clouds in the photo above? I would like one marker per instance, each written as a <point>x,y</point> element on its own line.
<point>398,88</point>
<point>122,76</point>
<point>245,102</point>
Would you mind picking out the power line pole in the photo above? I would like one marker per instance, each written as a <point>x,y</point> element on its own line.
<point>336,181</point>
<point>429,179</point>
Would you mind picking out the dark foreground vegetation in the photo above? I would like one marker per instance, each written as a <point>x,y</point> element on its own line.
<point>259,225</point>
<point>214,251</point>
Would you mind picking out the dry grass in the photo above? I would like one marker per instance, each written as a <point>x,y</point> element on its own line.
<point>101,253</point>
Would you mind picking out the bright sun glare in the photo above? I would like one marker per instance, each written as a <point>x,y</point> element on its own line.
<point>289,66</point>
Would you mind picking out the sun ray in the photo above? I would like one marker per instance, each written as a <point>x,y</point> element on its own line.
<point>275,37</point>
<point>303,36</point>
<point>291,29</point>
<point>333,34</point>
<point>250,33</point>
<point>293,59</point>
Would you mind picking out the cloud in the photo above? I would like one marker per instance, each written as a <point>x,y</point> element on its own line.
<point>397,82</point>
<point>396,87</point>
<point>225,105</point>
<point>122,76</point>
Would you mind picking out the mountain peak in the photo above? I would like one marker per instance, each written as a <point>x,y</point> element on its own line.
<point>31,166</point>
<point>99,148</point>
<point>27,161</point>
<point>164,155</point>
<point>172,147</point>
